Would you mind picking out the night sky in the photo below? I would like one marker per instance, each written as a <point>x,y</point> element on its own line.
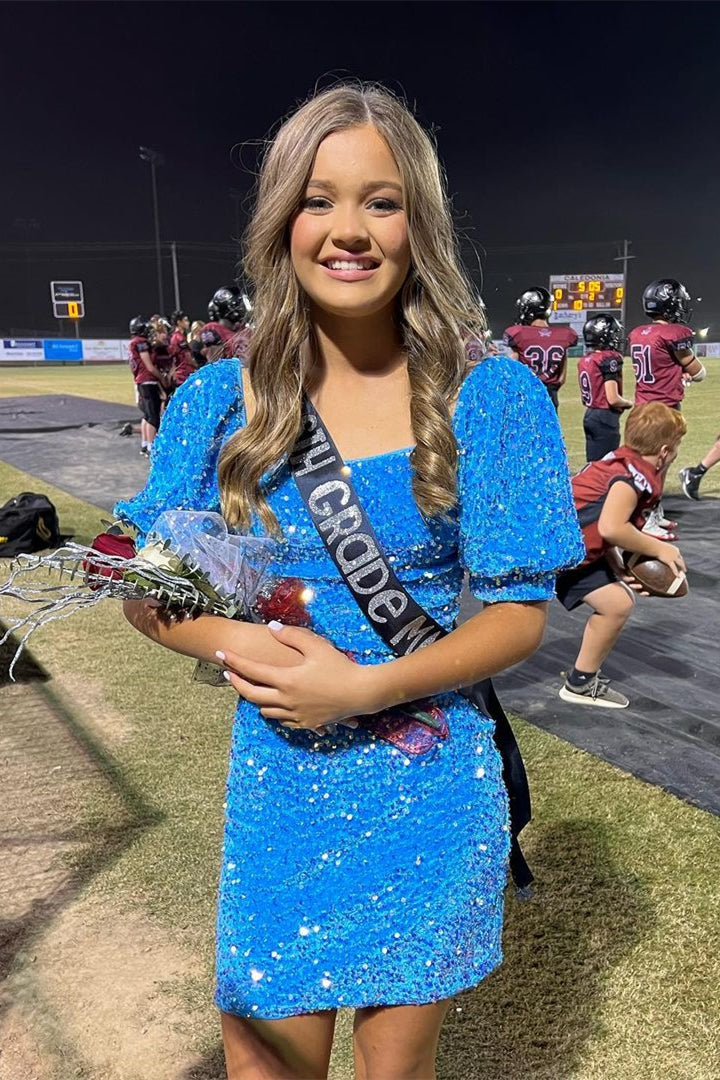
<point>562,126</point>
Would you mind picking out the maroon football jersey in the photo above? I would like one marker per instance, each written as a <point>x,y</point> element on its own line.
<point>161,356</point>
<point>139,346</point>
<point>653,351</point>
<point>542,348</point>
<point>183,364</point>
<point>214,333</point>
<point>594,370</point>
<point>591,485</point>
<point>178,344</point>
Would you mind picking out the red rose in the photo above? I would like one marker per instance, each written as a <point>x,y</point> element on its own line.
<point>110,544</point>
<point>283,600</point>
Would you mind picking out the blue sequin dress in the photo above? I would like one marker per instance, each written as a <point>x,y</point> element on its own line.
<point>353,874</point>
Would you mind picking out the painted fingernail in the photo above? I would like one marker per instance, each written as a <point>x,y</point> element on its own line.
<point>226,675</point>
<point>220,655</point>
<point>275,625</point>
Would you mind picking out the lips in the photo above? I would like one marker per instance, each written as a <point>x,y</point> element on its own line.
<point>354,269</point>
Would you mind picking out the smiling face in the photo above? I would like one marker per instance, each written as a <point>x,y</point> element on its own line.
<point>349,243</point>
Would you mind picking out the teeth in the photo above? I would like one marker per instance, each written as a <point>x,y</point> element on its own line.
<point>345,264</point>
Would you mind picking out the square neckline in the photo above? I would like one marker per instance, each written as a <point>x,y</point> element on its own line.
<point>348,461</point>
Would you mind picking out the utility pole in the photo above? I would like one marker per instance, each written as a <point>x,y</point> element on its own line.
<point>624,259</point>
<point>176,276</point>
<point>155,158</point>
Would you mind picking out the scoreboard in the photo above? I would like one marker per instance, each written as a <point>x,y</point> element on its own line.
<point>576,296</point>
<point>598,292</point>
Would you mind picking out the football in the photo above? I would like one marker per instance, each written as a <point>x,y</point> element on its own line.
<point>655,577</point>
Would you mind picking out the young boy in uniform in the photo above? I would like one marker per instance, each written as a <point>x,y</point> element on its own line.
<point>182,358</point>
<point>611,498</point>
<point>600,378</point>
<point>540,346</point>
<point>663,360</point>
<point>226,310</point>
<point>149,380</point>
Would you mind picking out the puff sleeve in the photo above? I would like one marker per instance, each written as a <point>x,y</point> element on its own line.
<point>202,414</point>
<point>518,525</point>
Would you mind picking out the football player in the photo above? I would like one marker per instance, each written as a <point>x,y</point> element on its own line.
<point>160,348</point>
<point>611,498</point>
<point>542,347</point>
<point>661,350</point>
<point>663,359</point>
<point>226,310</point>
<point>182,358</point>
<point>600,378</point>
<point>149,380</point>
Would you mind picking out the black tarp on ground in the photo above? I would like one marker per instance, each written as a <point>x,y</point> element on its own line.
<point>667,660</point>
<point>53,412</point>
<point>73,443</point>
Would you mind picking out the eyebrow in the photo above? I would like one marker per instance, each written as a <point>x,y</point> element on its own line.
<point>375,185</point>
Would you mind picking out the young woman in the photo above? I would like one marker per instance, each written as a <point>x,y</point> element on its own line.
<point>354,874</point>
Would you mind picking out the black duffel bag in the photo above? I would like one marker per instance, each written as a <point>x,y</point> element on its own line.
<point>28,522</point>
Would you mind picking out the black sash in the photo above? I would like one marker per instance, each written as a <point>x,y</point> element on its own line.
<point>324,483</point>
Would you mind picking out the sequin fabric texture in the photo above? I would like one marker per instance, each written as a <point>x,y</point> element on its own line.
<point>354,874</point>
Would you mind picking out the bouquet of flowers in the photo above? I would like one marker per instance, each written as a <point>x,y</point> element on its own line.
<point>190,565</point>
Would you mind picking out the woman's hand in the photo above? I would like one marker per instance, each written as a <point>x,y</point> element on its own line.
<point>324,688</point>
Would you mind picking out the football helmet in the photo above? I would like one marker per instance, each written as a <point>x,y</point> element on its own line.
<point>139,326</point>
<point>535,303</point>
<point>603,331</point>
<point>228,304</point>
<point>667,298</point>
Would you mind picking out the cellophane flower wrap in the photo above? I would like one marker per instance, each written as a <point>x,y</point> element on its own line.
<point>190,564</point>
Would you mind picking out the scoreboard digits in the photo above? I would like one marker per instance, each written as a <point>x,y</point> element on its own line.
<point>570,292</point>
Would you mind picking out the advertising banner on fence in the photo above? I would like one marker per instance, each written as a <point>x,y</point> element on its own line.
<point>97,349</point>
<point>16,349</point>
<point>63,349</point>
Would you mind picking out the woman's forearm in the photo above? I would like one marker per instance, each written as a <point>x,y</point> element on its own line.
<point>204,636</point>
<point>498,637</point>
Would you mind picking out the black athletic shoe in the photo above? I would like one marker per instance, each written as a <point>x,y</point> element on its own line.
<point>144,452</point>
<point>126,429</point>
<point>690,479</point>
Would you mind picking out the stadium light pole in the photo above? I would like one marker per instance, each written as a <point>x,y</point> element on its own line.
<point>155,158</point>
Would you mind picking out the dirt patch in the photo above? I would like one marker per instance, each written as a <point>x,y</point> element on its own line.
<point>89,703</point>
<point>20,1057</point>
<point>85,991</point>
<point>100,980</point>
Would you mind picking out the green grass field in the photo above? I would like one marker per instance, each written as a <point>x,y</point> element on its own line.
<point>611,973</point>
<point>106,382</point>
<point>113,383</point>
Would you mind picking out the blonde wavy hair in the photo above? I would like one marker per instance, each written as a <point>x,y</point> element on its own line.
<point>438,312</point>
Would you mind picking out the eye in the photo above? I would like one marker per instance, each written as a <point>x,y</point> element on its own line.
<point>316,202</point>
<point>386,206</point>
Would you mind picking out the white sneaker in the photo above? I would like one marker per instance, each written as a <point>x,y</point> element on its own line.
<point>654,526</point>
